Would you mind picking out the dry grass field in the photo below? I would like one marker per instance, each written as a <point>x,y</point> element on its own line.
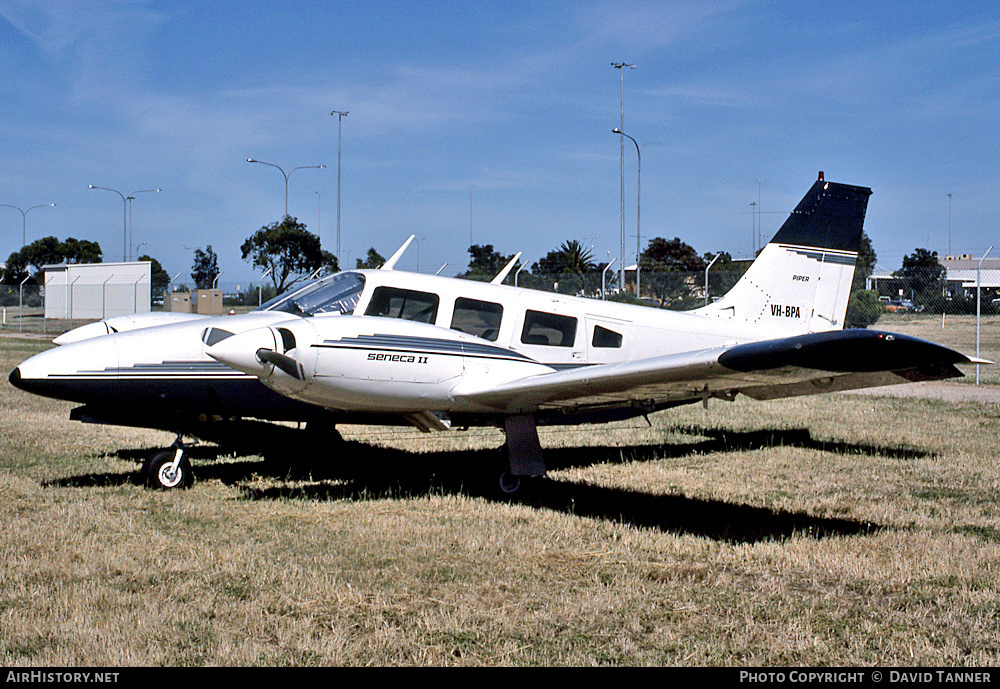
<point>829,531</point>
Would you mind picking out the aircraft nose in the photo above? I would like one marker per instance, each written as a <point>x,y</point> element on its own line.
<point>15,378</point>
<point>84,332</point>
<point>240,351</point>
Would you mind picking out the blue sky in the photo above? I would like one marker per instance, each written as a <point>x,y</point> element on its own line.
<point>509,104</point>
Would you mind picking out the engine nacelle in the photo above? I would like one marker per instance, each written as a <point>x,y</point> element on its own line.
<point>354,363</point>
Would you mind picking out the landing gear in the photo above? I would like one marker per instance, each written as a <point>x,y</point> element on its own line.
<point>522,454</point>
<point>168,470</point>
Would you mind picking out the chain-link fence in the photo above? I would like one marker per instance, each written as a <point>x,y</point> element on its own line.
<point>956,308</point>
<point>21,307</point>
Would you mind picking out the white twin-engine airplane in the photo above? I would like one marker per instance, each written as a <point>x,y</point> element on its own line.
<point>391,347</point>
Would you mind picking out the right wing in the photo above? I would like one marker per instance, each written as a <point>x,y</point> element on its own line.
<point>788,367</point>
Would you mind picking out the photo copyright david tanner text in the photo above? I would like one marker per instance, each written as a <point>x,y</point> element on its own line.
<point>856,676</point>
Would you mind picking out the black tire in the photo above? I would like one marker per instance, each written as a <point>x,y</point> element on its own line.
<point>158,474</point>
<point>509,484</point>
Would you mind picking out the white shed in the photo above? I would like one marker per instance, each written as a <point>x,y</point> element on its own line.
<point>97,290</point>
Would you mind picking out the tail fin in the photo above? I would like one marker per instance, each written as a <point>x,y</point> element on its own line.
<point>801,280</point>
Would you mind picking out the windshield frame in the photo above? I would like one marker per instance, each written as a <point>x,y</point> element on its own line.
<point>332,294</point>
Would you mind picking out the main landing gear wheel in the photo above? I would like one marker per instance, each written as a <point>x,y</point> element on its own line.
<point>509,484</point>
<point>168,470</point>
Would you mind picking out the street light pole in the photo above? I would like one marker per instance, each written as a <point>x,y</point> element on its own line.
<point>949,225</point>
<point>621,267</point>
<point>760,230</point>
<point>319,218</point>
<point>286,175</point>
<point>24,218</point>
<point>129,199</point>
<point>340,116</point>
<point>124,220</point>
<point>638,207</point>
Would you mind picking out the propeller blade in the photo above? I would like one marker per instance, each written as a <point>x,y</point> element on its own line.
<point>281,361</point>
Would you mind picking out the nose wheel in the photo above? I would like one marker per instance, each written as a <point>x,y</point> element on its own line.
<point>168,470</point>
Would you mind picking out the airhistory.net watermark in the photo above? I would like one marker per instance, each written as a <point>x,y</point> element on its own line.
<point>50,677</point>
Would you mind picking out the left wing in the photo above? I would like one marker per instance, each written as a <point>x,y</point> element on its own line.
<point>788,367</point>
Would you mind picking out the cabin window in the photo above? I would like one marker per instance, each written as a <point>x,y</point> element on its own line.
<point>479,318</point>
<point>606,338</point>
<point>212,335</point>
<point>548,329</point>
<point>410,305</point>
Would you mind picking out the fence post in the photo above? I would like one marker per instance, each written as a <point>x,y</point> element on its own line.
<point>978,299</point>
<point>104,298</point>
<point>20,308</point>
<point>714,259</point>
<point>135,295</point>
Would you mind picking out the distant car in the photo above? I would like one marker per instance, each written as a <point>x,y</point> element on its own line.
<point>902,306</point>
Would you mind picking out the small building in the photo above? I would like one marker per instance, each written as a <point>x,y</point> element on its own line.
<point>97,290</point>
<point>966,269</point>
<point>208,302</point>
<point>205,302</point>
<point>177,301</point>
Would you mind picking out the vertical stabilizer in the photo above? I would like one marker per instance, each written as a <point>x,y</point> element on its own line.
<point>801,280</point>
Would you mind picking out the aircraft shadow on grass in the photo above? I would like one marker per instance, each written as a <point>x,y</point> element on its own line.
<point>356,471</point>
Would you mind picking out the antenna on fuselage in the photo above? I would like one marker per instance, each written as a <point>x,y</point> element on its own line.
<point>391,263</point>
<point>502,275</point>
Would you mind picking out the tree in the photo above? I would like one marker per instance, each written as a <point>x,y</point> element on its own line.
<point>372,262</point>
<point>205,268</point>
<point>485,263</point>
<point>158,277</point>
<point>671,270</point>
<point>863,309</point>
<point>289,251</point>
<point>863,306</point>
<point>568,265</point>
<point>50,251</point>
<point>16,269</point>
<point>80,251</point>
<point>672,254</point>
<point>865,263</point>
<point>923,278</point>
<point>43,252</point>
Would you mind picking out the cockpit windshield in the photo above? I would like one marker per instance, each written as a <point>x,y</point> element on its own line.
<point>336,293</point>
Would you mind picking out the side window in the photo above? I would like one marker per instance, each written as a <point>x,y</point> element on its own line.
<point>409,305</point>
<point>212,335</point>
<point>606,338</point>
<point>479,318</point>
<point>548,329</point>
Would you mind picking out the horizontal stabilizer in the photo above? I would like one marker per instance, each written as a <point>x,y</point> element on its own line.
<point>842,351</point>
